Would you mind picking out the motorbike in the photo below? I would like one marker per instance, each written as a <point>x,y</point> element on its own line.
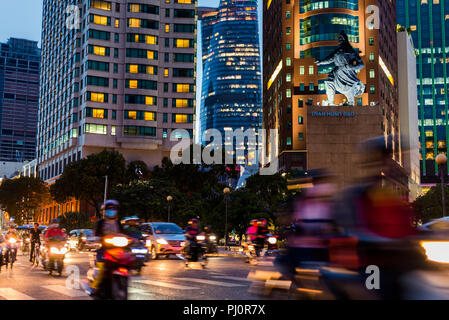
<point>26,246</point>
<point>118,260</point>
<point>53,255</point>
<point>11,252</point>
<point>196,249</point>
<point>140,254</point>
<point>211,243</point>
<point>82,243</point>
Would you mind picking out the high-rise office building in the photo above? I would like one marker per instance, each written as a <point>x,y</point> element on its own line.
<point>231,95</point>
<point>19,99</point>
<point>296,35</point>
<point>428,23</point>
<point>123,80</point>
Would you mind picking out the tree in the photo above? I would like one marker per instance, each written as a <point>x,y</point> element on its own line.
<point>137,170</point>
<point>75,220</point>
<point>85,179</point>
<point>21,197</point>
<point>428,206</point>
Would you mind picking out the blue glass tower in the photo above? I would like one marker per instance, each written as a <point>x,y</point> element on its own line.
<point>428,22</point>
<point>231,95</point>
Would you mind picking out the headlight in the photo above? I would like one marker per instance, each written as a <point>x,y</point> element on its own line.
<point>162,241</point>
<point>272,240</point>
<point>54,250</point>
<point>437,251</point>
<point>183,244</point>
<point>213,238</point>
<point>12,240</point>
<point>117,241</point>
<point>83,238</point>
<point>63,250</point>
<point>200,238</point>
<point>148,243</point>
<point>140,251</point>
<point>27,239</point>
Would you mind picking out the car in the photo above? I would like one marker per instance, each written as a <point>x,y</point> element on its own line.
<point>438,225</point>
<point>163,238</point>
<point>91,240</point>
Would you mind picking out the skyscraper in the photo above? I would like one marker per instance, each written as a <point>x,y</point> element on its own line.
<point>124,79</point>
<point>231,95</point>
<point>19,99</point>
<point>299,33</point>
<point>428,22</point>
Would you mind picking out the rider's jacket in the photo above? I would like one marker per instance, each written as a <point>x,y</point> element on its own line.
<point>192,232</point>
<point>53,232</point>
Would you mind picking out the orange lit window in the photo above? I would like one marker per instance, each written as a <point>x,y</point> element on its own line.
<point>165,72</point>
<point>167,28</point>
<point>182,88</point>
<point>134,8</point>
<point>149,116</point>
<point>134,23</point>
<point>150,70</point>
<point>117,23</point>
<point>181,118</point>
<point>182,103</point>
<point>100,51</point>
<point>430,156</point>
<point>149,100</point>
<point>133,68</point>
<point>132,115</point>
<point>98,113</point>
<point>101,20</point>
<point>150,55</point>
<point>182,43</point>
<point>151,39</point>
<point>97,97</point>
<point>133,84</point>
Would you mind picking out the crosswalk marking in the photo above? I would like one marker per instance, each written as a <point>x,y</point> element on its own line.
<point>11,294</point>
<point>73,293</point>
<point>211,282</point>
<point>232,278</point>
<point>138,291</point>
<point>165,285</point>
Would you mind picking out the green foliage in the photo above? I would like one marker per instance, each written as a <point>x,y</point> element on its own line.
<point>85,179</point>
<point>137,170</point>
<point>75,220</point>
<point>428,206</point>
<point>20,197</point>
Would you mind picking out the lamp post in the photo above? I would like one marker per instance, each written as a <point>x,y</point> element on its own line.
<point>226,191</point>
<point>169,200</point>
<point>441,160</point>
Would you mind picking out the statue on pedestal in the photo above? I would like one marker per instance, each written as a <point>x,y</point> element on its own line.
<point>343,78</point>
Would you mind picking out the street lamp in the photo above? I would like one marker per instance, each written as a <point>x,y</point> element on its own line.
<point>226,191</point>
<point>169,200</point>
<point>441,160</point>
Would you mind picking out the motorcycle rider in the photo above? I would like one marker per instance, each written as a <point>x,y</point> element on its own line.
<point>261,235</point>
<point>130,225</point>
<point>53,234</point>
<point>11,233</point>
<point>35,239</point>
<point>191,232</point>
<point>211,247</point>
<point>106,226</point>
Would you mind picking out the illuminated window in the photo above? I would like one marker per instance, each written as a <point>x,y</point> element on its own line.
<point>311,70</point>
<point>429,133</point>
<point>301,70</point>
<point>180,118</point>
<point>117,23</point>
<point>429,144</point>
<point>182,87</point>
<point>430,156</point>
<point>97,97</point>
<point>287,15</point>
<point>288,93</point>
<point>132,115</point>
<point>133,84</point>
<point>183,1</point>
<point>99,51</point>
<point>165,72</point>
<point>103,5</point>
<point>288,77</point>
<point>288,62</point>
<point>149,116</point>
<point>372,89</point>
<point>133,68</point>
<point>167,28</point>
<point>151,39</point>
<point>150,55</point>
<point>134,23</point>
<point>149,100</point>
<point>98,113</point>
<point>441,144</point>
<point>102,20</point>
<point>113,130</point>
<point>134,7</point>
<point>371,57</point>
<point>182,103</point>
<point>150,70</point>
<point>372,73</point>
<point>182,43</point>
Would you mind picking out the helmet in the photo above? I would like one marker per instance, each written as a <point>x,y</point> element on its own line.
<point>130,219</point>
<point>110,204</point>
<point>192,221</point>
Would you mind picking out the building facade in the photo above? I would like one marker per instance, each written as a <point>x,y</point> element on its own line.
<point>408,112</point>
<point>296,35</point>
<point>428,22</point>
<point>123,79</point>
<point>231,96</point>
<point>19,99</point>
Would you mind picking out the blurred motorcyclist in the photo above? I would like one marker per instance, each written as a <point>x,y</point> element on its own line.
<point>35,238</point>
<point>106,226</point>
<point>191,232</point>
<point>54,234</point>
<point>130,226</point>
<point>261,235</point>
<point>379,219</point>
<point>11,233</point>
<point>251,232</point>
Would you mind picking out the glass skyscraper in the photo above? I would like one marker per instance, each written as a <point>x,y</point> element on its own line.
<point>231,82</point>
<point>428,22</point>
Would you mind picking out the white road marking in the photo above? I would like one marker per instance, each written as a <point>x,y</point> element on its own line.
<point>73,293</point>
<point>165,285</point>
<point>11,294</point>
<point>265,263</point>
<point>211,282</point>
<point>138,291</point>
